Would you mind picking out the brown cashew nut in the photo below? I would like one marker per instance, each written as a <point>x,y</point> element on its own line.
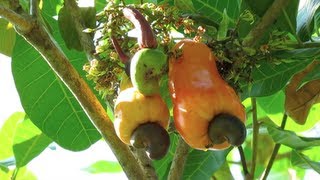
<point>146,37</point>
<point>152,137</point>
<point>225,127</point>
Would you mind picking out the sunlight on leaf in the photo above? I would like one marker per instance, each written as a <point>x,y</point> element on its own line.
<point>299,102</point>
<point>104,167</point>
<point>7,134</point>
<point>307,9</point>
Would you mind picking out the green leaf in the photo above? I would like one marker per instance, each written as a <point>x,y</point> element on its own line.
<point>314,74</point>
<point>286,20</point>
<point>7,134</point>
<point>213,9</point>
<point>269,78</point>
<point>99,5</point>
<point>7,38</point>
<point>259,8</point>
<point>272,104</point>
<point>302,161</point>
<point>104,167</point>
<point>296,54</point>
<point>184,5</point>
<point>223,26</point>
<point>305,18</point>
<point>162,166</point>
<point>28,142</point>
<point>291,139</point>
<point>4,172</point>
<point>224,172</point>
<point>202,164</point>
<point>47,101</point>
<point>67,26</point>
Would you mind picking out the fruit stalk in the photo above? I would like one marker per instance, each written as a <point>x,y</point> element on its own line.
<point>146,36</point>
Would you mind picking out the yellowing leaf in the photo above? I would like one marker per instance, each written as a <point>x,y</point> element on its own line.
<point>298,102</point>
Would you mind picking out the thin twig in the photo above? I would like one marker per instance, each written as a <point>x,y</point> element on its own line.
<point>255,127</point>
<point>268,18</point>
<point>179,159</point>
<point>243,161</point>
<point>16,19</point>
<point>86,40</point>
<point>275,150</point>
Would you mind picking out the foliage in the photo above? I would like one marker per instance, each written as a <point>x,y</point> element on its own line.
<point>280,71</point>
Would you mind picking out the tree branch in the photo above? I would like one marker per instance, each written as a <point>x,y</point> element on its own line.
<point>179,159</point>
<point>268,18</point>
<point>35,33</point>
<point>17,20</point>
<point>255,127</point>
<point>145,162</point>
<point>86,40</point>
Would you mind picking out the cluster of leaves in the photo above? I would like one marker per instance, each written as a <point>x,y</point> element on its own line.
<point>273,72</point>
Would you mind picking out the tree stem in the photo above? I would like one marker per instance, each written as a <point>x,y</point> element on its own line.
<point>268,18</point>
<point>255,126</point>
<point>275,150</point>
<point>179,159</point>
<point>17,20</point>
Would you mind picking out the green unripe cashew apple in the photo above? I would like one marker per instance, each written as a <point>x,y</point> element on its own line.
<point>147,67</point>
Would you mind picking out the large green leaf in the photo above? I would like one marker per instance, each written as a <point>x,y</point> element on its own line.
<point>28,142</point>
<point>47,101</point>
<point>213,9</point>
<point>269,78</point>
<point>104,167</point>
<point>202,164</point>
<point>7,134</point>
<point>7,38</point>
<point>302,161</point>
